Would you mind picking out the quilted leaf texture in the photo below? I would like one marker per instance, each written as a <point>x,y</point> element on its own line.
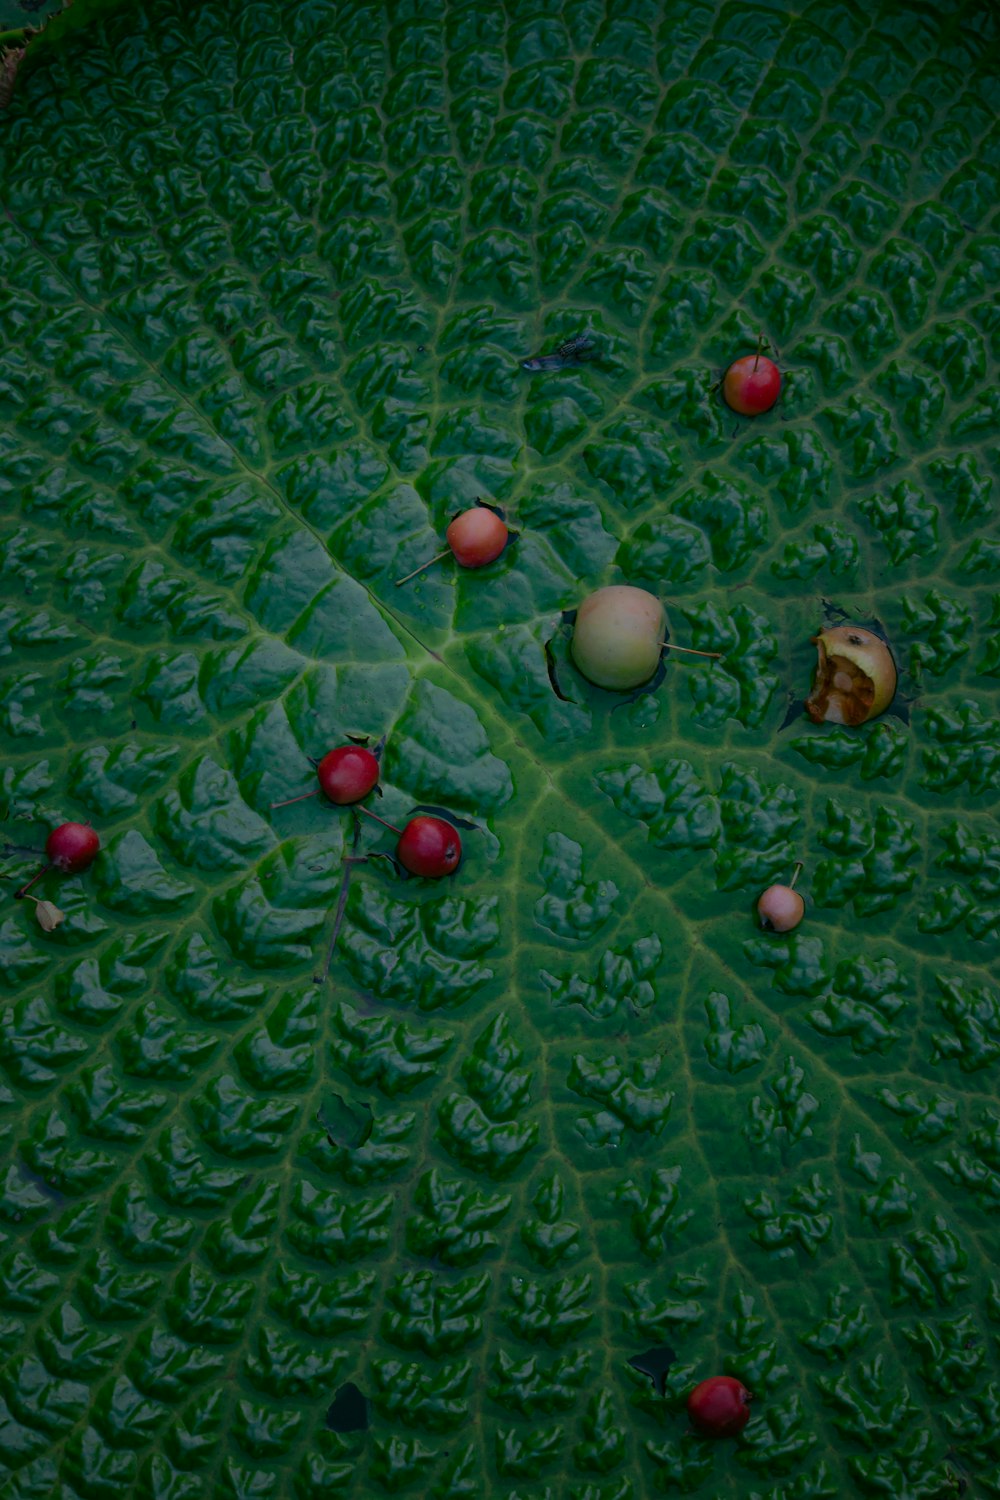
<point>396,1223</point>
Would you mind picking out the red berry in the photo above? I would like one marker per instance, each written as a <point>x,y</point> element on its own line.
<point>719,1407</point>
<point>347,774</point>
<point>72,847</point>
<point>429,846</point>
<point>477,537</point>
<point>752,384</point>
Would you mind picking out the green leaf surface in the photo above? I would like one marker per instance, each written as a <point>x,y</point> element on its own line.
<point>267,274</point>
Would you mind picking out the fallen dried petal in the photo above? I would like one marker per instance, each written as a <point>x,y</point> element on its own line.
<point>49,916</point>
<point>10,61</point>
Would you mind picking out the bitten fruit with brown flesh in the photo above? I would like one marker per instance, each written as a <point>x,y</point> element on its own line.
<point>855,676</point>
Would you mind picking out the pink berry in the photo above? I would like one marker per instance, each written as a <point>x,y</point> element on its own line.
<point>429,846</point>
<point>347,774</point>
<point>477,537</point>
<point>72,847</point>
<point>719,1407</point>
<point>752,384</point>
<point>780,908</point>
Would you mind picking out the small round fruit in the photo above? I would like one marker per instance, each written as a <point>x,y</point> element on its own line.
<point>855,676</point>
<point>429,846</point>
<point>618,636</point>
<point>477,537</point>
<point>780,908</point>
<point>752,384</point>
<point>72,847</point>
<point>719,1407</point>
<point>347,774</point>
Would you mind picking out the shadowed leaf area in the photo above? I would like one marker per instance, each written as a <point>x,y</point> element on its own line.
<point>554,1139</point>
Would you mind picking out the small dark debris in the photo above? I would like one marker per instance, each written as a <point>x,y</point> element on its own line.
<point>573,352</point>
<point>42,1183</point>
<point>655,1363</point>
<point>348,1411</point>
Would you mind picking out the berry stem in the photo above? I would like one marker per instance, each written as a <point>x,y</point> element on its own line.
<point>760,345</point>
<point>690,650</point>
<point>289,800</point>
<point>338,919</point>
<point>429,563</point>
<point>19,895</point>
<point>798,868</point>
<point>391,826</point>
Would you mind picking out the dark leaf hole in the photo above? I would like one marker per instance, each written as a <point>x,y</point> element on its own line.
<point>550,663</point>
<point>445,816</point>
<point>383,857</point>
<point>655,1363</point>
<point>796,708</point>
<point>834,615</point>
<point>348,1411</point>
<point>486,505</point>
<point>627,699</point>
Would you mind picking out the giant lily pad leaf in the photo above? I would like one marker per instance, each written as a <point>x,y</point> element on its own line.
<point>322,1180</point>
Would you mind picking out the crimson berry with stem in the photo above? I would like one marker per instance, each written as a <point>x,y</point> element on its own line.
<point>719,1407</point>
<point>71,848</point>
<point>475,538</point>
<point>752,384</point>
<point>345,774</point>
<point>427,846</point>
